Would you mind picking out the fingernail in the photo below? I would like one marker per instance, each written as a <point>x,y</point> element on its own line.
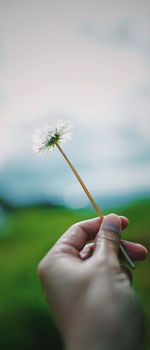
<point>112,222</point>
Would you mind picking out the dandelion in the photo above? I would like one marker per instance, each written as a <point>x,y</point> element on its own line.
<point>46,139</point>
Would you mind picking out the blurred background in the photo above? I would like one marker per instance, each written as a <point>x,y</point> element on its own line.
<point>87,62</point>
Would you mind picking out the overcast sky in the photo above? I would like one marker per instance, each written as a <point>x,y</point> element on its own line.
<point>86,61</point>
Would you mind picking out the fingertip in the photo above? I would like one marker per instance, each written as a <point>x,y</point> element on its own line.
<point>141,251</point>
<point>124,222</point>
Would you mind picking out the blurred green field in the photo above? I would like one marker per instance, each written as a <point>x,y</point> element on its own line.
<point>26,234</point>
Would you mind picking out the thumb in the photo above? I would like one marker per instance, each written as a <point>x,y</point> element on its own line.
<point>108,240</point>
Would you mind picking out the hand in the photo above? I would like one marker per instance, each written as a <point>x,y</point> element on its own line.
<point>89,294</point>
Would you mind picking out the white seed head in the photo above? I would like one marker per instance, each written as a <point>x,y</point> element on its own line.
<point>47,137</point>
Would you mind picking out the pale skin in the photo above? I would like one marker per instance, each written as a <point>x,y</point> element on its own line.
<point>89,293</point>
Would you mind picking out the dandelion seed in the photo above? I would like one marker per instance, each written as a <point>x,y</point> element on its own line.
<point>47,138</point>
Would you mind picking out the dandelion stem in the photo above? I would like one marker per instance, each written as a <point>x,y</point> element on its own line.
<point>81,183</point>
<point>92,201</point>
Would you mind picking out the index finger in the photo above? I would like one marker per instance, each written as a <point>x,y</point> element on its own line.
<point>75,238</point>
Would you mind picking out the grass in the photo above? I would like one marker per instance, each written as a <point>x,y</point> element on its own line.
<point>25,236</point>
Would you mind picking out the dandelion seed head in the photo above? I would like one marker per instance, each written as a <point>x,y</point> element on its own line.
<point>48,137</point>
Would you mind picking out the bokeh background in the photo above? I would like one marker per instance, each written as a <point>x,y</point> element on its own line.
<point>87,62</point>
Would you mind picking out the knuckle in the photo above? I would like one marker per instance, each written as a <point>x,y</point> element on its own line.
<point>41,269</point>
<point>112,239</point>
<point>46,265</point>
<point>108,262</point>
<point>77,225</point>
<point>101,262</point>
<point>72,228</point>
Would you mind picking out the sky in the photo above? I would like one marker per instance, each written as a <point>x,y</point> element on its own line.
<point>84,61</point>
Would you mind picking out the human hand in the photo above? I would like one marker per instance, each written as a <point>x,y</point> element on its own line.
<point>88,292</point>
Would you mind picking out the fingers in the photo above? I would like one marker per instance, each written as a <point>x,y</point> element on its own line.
<point>134,250</point>
<point>87,251</point>
<point>108,241</point>
<point>73,240</point>
<point>124,222</point>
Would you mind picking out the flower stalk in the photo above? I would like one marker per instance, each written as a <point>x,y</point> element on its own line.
<point>46,139</point>
<point>131,264</point>
<point>81,183</point>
